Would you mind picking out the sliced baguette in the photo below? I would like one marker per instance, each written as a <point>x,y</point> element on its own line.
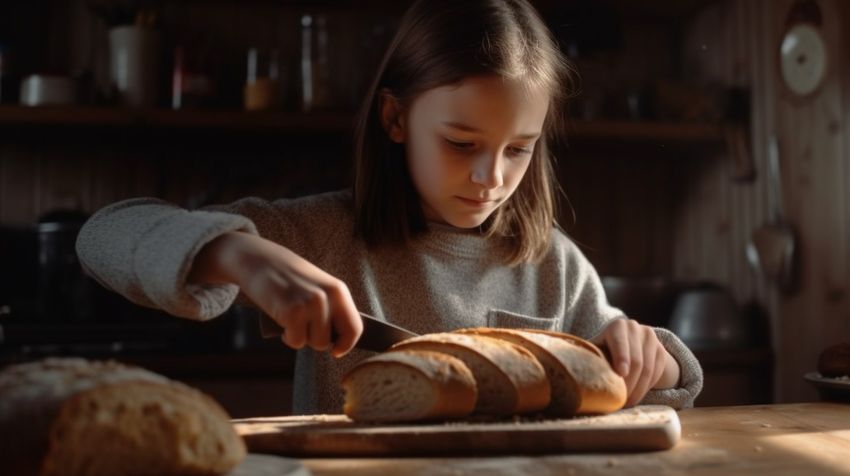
<point>582,381</point>
<point>510,380</point>
<point>573,339</point>
<point>409,385</point>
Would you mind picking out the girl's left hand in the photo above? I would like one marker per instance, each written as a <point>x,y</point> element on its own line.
<point>639,357</point>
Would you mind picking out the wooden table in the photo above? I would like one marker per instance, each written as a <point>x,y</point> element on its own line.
<point>797,439</point>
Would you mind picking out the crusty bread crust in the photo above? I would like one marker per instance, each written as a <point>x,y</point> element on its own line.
<point>72,416</point>
<point>593,387</point>
<point>452,382</point>
<point>574,339</point>
<point>530,386</point>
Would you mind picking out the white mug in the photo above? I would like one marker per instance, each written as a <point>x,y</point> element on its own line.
<point>134,64</point>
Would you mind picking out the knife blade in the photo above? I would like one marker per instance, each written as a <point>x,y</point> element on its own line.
<point>378,335</point>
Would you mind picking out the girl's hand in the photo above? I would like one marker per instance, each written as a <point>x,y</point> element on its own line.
<point>638,356</point>
<point>306,301</point>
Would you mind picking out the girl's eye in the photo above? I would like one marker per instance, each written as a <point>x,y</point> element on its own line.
<point>520,150</point>
<point>460,145</point>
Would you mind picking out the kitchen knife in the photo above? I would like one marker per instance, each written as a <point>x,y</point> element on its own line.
<point>378,335</point>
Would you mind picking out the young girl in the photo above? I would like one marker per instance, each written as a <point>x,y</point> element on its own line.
<point>450,222</point>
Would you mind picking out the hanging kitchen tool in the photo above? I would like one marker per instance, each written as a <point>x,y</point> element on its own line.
<point>772,247</point>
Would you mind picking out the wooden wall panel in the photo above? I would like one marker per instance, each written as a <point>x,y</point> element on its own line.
<point>813,135</point>
<point>714,224</point>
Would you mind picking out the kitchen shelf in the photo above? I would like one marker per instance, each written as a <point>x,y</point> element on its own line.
<point>228,120</point>
<point>331,121</point>
<point>655,131</point>
<point>719,359</point>
<point>656,9</point>
<point>276,362</point>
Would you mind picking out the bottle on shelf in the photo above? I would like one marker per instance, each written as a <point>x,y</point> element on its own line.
<point>315,70</point>
<point>192,85</point>
<point>263,81</point>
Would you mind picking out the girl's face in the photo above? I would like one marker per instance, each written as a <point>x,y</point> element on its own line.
<point>469,145</point>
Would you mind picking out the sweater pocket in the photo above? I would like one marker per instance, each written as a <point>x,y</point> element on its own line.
<point>500,318</point>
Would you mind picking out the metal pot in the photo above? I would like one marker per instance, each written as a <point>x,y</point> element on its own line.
<point>707,317</point>
<point>647,300</point>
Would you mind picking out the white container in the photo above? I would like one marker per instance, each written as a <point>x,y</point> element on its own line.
<point>43,90</point>
<point>134,64</point>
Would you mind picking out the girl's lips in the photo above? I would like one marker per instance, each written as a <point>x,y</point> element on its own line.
<point>476,203</point>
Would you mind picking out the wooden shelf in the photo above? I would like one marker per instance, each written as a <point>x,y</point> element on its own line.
<point>333,122</point>
<point>757,357</point>
<point>229,120</point>
<point>655,9</point>
<point>240,364</point>
<point>655,131</point>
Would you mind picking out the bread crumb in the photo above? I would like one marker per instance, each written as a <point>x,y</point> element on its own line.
<point>766,425</point>
<point>611,463</point>
<point>758,449</point>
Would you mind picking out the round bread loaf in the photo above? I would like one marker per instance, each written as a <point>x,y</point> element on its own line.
<point>73,416</point>
<point>409,385</point>
<point>834,361</point>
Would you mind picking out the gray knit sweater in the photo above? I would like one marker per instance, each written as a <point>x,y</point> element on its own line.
<point>447,279</point>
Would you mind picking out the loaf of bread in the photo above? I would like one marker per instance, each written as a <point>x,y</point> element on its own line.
<point>582,381</point>
<point>834,361</point>
<point>510,380</point>
<point>78,417</point>
<point>409,385</point>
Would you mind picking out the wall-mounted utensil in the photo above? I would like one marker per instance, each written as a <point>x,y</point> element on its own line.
<point>772,249</point>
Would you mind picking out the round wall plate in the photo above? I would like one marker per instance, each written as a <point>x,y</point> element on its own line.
<point>803,58</point>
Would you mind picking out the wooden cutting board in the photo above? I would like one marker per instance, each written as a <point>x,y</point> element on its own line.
<point>643,428</point>
<point>268,465</point>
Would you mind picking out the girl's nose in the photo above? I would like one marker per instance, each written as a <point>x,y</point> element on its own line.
<point>487,171</point>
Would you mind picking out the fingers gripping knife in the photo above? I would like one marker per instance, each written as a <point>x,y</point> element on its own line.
<point>378,335</point>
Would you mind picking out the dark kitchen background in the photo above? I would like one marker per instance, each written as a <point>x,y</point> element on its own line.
<point>200,102</point>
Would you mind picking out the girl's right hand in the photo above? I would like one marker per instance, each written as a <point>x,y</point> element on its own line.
<point>306,301</point>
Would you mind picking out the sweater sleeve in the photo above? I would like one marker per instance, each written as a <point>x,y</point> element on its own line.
<point>143,249</point>
<point>690,379</point>
<point>588,313</point>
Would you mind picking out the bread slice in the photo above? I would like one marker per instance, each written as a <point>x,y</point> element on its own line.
<point>582,381</point>
<point>72,416</point>
<point>409,385</point>
<point>510,380</point>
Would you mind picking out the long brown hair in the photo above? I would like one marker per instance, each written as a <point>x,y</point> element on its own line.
<point>442,42</point>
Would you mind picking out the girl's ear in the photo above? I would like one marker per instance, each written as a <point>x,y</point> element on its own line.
<point>392,116</point>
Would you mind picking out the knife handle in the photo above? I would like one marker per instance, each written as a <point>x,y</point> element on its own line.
<point>269,328</point>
